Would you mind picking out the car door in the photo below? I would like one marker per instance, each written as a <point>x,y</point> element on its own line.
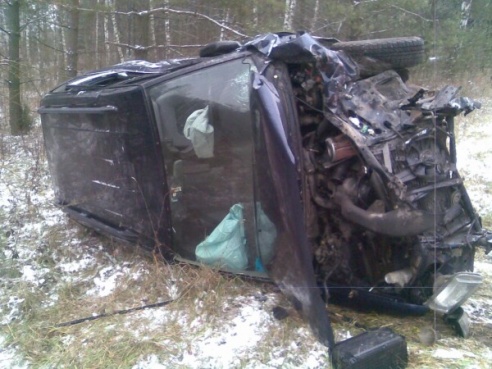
<point>205,130</point>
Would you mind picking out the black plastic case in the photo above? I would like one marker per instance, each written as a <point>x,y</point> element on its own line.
<point>375,349</point>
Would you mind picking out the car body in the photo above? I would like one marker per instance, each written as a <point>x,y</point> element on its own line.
<point>286,158</point>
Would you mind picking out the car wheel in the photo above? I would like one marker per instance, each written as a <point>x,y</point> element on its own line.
<point>399,52</point>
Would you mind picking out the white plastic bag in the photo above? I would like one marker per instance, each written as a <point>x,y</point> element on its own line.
<point>200,132</point>
<point>267,234</point>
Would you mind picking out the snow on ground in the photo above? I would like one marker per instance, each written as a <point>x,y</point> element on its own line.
<point>478,307</point>
<point>237,343</point>
<point>9,359</point>
<point>474,150</point>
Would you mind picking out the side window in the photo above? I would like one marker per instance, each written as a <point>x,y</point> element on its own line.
<point>205,128</point>
<point>223,89</point>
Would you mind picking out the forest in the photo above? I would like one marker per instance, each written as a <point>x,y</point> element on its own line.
<point>45,42</point>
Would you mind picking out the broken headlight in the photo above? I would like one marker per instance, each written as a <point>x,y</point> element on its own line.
<point>454,292</point>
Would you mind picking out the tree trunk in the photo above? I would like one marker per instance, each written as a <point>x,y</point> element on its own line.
<point>225,20</point>
<point>98,55</point>
<point>46,60</point>
<point>115,31</point>
<point>61,60</point>
<point>315,16</point>
<point>17,125</point>
<point>72,40</point>
<point>105,25</point>
<point>255,14</point>
<point>141,29</point>
<point>465,13</point>
<point>290,6</point>
<point>153,41</point>
<point>167,30</point>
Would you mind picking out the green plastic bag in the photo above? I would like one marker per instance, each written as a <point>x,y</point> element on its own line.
<point>226,245</point>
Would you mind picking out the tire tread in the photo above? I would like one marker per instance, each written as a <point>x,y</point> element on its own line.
<point>400,52</point>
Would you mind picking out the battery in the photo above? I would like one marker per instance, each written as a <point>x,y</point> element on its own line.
<point>374,349</point>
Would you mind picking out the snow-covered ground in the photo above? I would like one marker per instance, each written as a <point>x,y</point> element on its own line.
<point>240,333</point>
<point>475,156</point>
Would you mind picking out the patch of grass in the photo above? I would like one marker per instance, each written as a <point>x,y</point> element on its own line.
<point>119,341</point>
<point>8,270</point>
<point>100,344</point>
<point>288,340</point>
<point>487,220</point>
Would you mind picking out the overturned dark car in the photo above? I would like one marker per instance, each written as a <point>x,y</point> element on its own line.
<point>305,160</point>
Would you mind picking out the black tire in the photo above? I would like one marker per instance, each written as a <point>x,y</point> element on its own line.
<point>219,48</point>
<point>400,52</point>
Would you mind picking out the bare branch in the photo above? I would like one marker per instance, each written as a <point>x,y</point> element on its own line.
<point>34,20</point>
<point>47,45</point>
<point>175,11</point>
<point>187,12</point>
<point>133,47</point>
<point>412,13</point>
<point>179,46</point>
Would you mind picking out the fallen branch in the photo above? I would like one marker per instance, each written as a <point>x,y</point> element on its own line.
<point>116,312</point>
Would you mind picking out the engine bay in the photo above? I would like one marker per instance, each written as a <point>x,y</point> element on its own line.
<point>388,209</point>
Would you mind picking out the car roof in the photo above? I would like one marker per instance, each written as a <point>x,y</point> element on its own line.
<point>129,70</point>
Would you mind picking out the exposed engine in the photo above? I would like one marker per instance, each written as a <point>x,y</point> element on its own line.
<point>388,208</point>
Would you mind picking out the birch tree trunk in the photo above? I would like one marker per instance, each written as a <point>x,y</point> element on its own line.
<point>153,40</point>
<point>255,14</point>
<point>290,6</point>
<point>105,25</point>
<point>116,34</point>
<point>315,16</point>
<point>465,13</point>
<point>167,29</point>
<point>224,21</point>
